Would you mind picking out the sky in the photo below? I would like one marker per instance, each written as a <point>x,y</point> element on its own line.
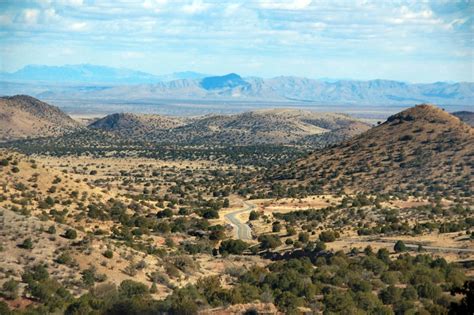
<point>413,41</point>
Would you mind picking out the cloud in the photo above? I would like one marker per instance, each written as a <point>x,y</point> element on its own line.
<point>30,16</point>
<point>73,3</point>
<point>133,54</point>
<point>197,6</point>
<point>78,26</point>
<point>155,5</point>
<point>263,30</point>
<point>285,5</point>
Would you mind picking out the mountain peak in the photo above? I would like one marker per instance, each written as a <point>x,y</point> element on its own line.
<point>428,112</point>
<point>230,80</point>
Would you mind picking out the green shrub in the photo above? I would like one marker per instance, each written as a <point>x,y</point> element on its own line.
<point>399,247</point>
<point>236,247</point>
<point>70,234</point>
<point>108,254</point>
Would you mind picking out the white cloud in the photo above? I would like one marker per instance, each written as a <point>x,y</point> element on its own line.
<point>197,6</point>
<point>407,16</point>
<point>132,55</point>
<point>78,26</point>
<point>71,2</point>
<point>285,5</point>
<point>155,5</point>
<point>30,16</point>
<point>319,26</point>
<point>231,9</point>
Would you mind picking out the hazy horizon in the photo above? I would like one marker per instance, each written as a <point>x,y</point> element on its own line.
<point>226,73</point>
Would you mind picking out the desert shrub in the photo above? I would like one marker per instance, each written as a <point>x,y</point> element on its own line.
<point>328,236</point>
<point>52,229</point>
<point>64,258</point>
<point>108,254</point>
<point>130,289</point>
<point>303,237</point>
<point>390,295</point>
<point>276,227</point>
<point>254,215</point>
<point>10,289</point>
<point>269,241</point>
<point>26,244</point>
<point>70,234</point>
<point>236,247</point>
<point>399,247</point>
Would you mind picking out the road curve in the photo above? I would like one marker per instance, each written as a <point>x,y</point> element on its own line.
<point>241,229</point>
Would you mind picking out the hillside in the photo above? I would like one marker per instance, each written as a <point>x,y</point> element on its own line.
<point>136,125</point>
<point>465,116</point>
<point>422,149</point>
<point>275,126</point>
<point>24,116</point>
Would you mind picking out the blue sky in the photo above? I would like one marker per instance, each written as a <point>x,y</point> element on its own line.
<point>415,41</point>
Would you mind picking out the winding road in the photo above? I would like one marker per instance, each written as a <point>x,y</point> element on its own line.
<point>242,230</point>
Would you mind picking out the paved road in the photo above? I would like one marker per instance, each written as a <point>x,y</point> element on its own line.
<point>241,229</point>
<point>415,246</point>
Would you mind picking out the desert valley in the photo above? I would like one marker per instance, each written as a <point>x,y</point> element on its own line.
<point>268,211</point>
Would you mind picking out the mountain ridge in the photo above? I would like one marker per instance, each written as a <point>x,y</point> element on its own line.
<point>199,87</point>
<point>88,73</point>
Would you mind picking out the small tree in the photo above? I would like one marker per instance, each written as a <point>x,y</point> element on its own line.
<point>399,247</point>
<point>27,244</point>
<point>303,237</point>
<point>254,215</point>
<point>70,234</point>
<point>10,289</point>
<point>108,254</point>
<point>236,247</point>
<point>276,227</point>
<point>52,229</point>
<point>328,236</point>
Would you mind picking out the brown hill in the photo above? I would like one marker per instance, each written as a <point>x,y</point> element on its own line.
<point>128,124</point>
<point>270,126</point>
<point>24,116</point>
<point>420,149</point>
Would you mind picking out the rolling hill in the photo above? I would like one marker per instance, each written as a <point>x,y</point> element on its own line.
<point>422,149</point>
<point>24,116</point>
<point>273,126</point>
<point>134,125</point>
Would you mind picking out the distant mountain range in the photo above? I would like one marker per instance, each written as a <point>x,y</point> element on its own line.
<point>94,74</point>
<point>104,83</point>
